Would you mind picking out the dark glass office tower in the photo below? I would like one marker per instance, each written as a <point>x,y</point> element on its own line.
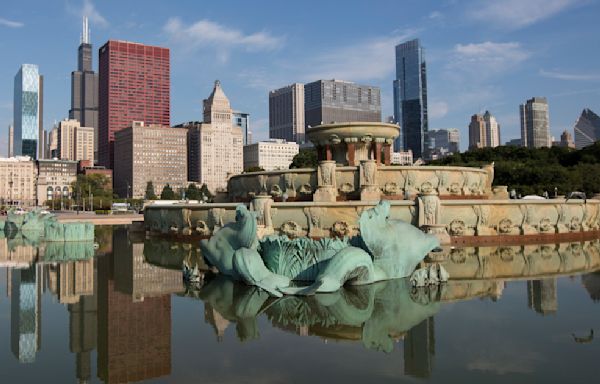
<point>84,87</point>
<point>410,98</point>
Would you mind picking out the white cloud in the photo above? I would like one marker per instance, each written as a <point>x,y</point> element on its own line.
<point>487,57</point>
<point>11,23</point>
<point>367,60</point>
<point>436,15</point>
<point>516,14</point>
<point>206,33</point>
<point>437,109</point>
<point>569,76</point>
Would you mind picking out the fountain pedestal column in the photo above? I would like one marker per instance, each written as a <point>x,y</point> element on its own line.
<point>430,209</point>
<point>326,183</point>
<point>261,204</point>
<point>369,190</point>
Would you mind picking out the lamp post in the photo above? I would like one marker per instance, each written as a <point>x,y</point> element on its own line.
<point>10,184</point>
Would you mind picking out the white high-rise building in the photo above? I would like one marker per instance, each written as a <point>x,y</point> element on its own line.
<point>535,123</point>
<point>215,147</point>
<point>270,155</point>
<point>492,129</point>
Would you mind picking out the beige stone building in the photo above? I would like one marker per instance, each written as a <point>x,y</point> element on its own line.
<point>146,153</point>
<point>75,142</point>
<point>477,132</point>
<point>270,155</point>
<point>215,146</point>
<point>17,181</point>
<point>52,146</point>
<point>54,180</point>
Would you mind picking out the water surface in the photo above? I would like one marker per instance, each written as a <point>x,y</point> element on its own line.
<point>510,314</point>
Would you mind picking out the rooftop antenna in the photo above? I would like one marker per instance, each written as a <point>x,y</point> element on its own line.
<point>86,31</point>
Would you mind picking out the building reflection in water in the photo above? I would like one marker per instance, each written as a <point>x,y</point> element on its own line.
<point>591,282</point>
<point>419,349</point>
<point>134,313</point>
<point>541,296</point>
<point>26,312</point>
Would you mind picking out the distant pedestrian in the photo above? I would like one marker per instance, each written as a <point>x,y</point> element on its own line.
<point>546,196</point>
<point>513,194</point>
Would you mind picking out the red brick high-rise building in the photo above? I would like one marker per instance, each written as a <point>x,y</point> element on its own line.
<point>134,85</point>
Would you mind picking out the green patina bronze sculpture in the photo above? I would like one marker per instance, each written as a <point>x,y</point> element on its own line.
<point>40,224</point>
<point>385,249</point>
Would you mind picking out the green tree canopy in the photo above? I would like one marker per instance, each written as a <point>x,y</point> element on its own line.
<point>193,193</point>
<point>306,158</point>
<point>537,170</point>
<point>167,193</point>
<point>254,169</point>
<point>150,195</point>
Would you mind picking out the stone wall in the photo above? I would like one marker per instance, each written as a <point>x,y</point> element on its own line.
<point>451,220</point>
<point>388,182</point>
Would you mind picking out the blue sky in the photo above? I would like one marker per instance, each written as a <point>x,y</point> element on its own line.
<point>480,54</point>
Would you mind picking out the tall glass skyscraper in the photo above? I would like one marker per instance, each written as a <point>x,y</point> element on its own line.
<point>410,98</point>
<point>28,121</point>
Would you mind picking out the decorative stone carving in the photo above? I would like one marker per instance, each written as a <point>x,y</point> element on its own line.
<point>314,216</point>
<point>507,254</point>
<point>458,255</point>
<point>409,183</point>
<point>426,187</point>
<point>546,225</point>
<point>292,229</point>
<point>202,228</point>
<point>275,191</point>
<point>526,227</point>
<point>575,224</point>
<point>346,188</point>
<point>454,189</point>
<point>215,218</point>
<point>429,217</point>
<point>457,227</point>
<point>306,189</point>
<point>326,173</point>
<point>391,188</point>
<point>561,222</point>
<point>442,177</point>
<point>262,206</point>
<point>288,179</point>
<point>334,139</point>
<point>505,226</point>
<point>341,229</point>
<point>262,182</point>
<point>489,178</point>
<point>326,190</point>
<point>369,191</point>
<point>483,214</point>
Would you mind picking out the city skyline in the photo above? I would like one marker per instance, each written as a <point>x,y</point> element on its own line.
<point>511,54</point>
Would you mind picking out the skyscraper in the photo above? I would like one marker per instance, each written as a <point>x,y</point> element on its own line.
<point>328,101</point>
<point>75,142</point>
<point>286,113</point>
<point>535,123</point>
<point>477,132</point>
<point>492,129</point>
<point>11,141</point>
<point>444,141</point>
<point>242,120</point>
<point>410,98</point>
<point>587,129</point>
<point>134,85</point>
<point>215,147</point>
<point>28,112</point>
<point>84,87</point>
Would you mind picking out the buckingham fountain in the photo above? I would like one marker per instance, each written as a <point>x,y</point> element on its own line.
<point>458,205</point>
<point>356,219</point>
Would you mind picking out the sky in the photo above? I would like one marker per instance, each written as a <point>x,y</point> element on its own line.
<point>481,54</point>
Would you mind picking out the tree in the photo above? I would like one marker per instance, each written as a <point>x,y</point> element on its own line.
<point>205,192</point>
<point>167,193</point>
<point>306,158</point>
<point>96,187</point>
<point>254,169</point>
<point>193,193</point>
<point>150,195</point>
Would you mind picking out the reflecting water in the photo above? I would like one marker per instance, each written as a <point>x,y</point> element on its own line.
<point>121,314</point>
